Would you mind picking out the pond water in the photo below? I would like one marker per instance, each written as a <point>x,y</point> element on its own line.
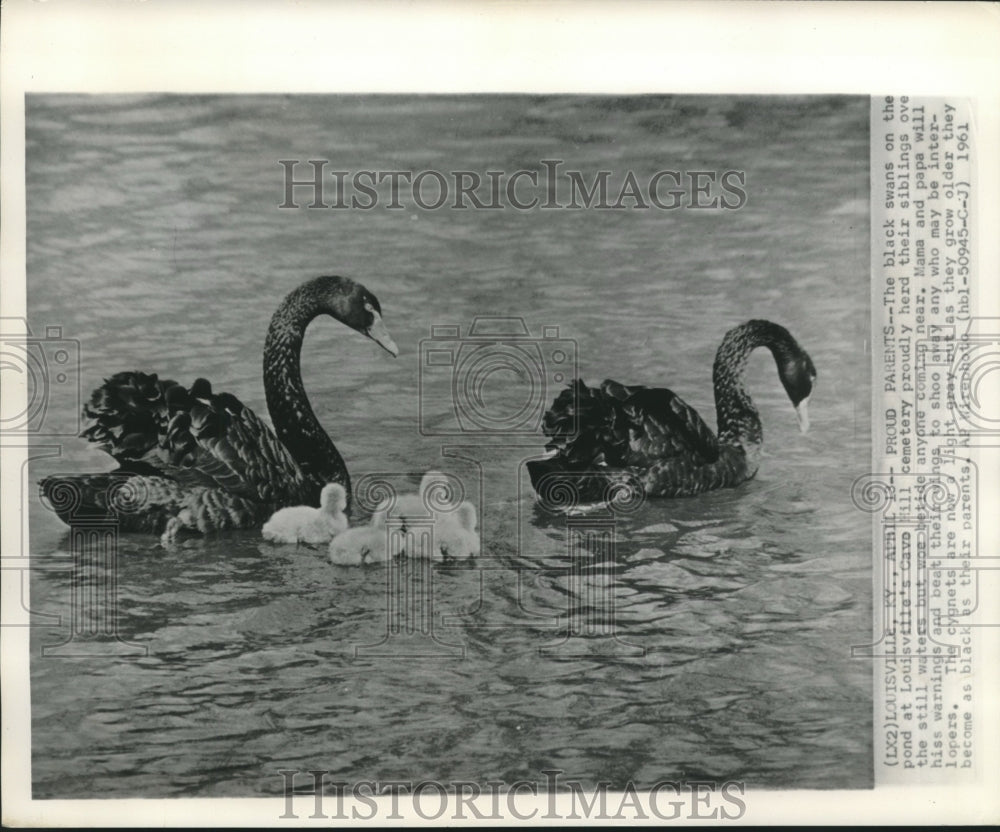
<point>156,241</point>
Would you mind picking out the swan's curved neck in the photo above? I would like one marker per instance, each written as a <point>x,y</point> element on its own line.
<point>294,421</point>
<point>738,419</point>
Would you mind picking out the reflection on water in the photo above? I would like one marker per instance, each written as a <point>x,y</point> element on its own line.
<point>156,241</point>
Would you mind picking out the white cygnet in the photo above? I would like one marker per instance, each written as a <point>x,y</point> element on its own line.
<point>305,524</point>
<point>360,545</point>
<point>455,534</point>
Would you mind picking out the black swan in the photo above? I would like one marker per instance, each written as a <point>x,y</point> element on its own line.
<point>615,437</point>
<point>193,459</point>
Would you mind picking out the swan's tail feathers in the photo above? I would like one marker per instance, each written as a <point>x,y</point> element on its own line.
<point>563,419</point>
<point>196,437</point>
<point>586,428</point>
<point>133,414</point>
<point>135,501</point>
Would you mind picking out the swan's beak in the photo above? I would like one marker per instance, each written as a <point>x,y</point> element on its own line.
<point>380,335</point>
<point>802,411</point>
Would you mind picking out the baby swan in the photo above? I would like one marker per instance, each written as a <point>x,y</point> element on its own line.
<point>455,535</point>
<point>305,524</point>
<point>417,530</point>
<point>360,545</point>
<point>452,525</point>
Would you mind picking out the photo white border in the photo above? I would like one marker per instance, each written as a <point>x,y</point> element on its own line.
<point>308,46</point>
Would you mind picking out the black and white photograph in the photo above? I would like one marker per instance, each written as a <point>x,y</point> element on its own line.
<point>488,449</point>
<point>686,627</point>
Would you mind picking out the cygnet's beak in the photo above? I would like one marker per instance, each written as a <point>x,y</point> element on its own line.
<point>802,411</point>
<point>380,335</point>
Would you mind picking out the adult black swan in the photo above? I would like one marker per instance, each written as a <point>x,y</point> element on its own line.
<point>613,437</point>
<point>193,459</point>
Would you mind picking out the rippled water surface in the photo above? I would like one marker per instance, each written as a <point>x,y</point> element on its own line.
<point>155,240</point>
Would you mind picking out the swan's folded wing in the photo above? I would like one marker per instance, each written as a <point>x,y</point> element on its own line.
<point>242,455</point>
<point>616,426</point>
<point>661,424</point>
<point>193,436</point>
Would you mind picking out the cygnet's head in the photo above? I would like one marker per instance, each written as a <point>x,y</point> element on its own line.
<point>333,498</point>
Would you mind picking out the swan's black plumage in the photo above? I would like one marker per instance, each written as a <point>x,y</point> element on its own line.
<point>615,434</point>
<point>192,458</point>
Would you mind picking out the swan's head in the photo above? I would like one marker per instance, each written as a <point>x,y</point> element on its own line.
<point>352,304</point>
<point>798,375</point>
